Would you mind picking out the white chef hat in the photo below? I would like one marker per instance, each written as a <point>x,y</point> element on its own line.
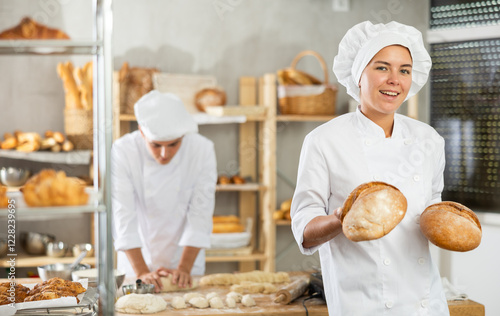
<point>365,40</point>
<point>163,117</point>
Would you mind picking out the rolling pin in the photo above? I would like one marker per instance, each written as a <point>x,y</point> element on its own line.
<point>291,291</point>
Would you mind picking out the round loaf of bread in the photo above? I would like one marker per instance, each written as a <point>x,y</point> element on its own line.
<point>451,226</point>
<point>372,210</point>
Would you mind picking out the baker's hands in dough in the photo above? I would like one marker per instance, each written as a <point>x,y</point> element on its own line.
<point>153,278</point>
<point>168,286</point>
<point>180,277</point>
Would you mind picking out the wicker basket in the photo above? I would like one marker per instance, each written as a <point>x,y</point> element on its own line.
<point>78,126</point>
<point>308,99</point>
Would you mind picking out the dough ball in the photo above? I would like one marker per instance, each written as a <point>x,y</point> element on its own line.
<point>169,287</point>
<point>230,302</point>
<point>140,304</point>
<point>199,302</point>
<point>178,302</point>
<point>210,295</point>
<point>216,302</point>
<point>235,295</point>
<point>189,296</point>
<point>247,300</point>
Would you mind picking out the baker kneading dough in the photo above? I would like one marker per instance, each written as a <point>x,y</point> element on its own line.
<point>178,302</point>
<point>199,302</point>
<point>169,287</point>
<point>140,304</point>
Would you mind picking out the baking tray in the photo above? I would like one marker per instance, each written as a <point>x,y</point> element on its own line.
<point>86,307</point>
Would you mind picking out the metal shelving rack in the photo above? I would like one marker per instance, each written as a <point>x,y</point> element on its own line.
<point>100,49</point>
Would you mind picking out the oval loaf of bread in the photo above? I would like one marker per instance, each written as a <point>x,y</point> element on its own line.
<point>372,210</point>
<point>451,226</point>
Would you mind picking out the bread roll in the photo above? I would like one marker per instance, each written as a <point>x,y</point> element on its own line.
<point>372,210</point>
<point>209,97</point>
<point>451,226</point>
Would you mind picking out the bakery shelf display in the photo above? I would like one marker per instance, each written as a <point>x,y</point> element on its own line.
<point>36,43</point>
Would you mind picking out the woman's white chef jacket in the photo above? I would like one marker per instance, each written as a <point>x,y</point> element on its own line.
<point>162,208</point>
<point>393,275</point>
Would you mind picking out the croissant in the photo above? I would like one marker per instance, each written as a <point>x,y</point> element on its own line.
<point>29,29</point>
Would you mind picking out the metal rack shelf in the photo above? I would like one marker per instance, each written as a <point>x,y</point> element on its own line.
<point>49,47</point>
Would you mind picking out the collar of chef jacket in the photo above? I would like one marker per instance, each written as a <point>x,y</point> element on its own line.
<point>372,130</point>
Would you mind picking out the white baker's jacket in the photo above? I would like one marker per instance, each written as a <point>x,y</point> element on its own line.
<point>162,208</point>
<point>393,275</point>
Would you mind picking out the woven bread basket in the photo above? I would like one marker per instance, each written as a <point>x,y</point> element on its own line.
<point>78,127</point>
<point>313,99</point>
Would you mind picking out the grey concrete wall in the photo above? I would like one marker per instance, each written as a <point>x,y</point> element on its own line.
<point>223,38</point>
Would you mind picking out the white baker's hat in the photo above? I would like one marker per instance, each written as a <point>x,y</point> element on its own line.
<point>163,117</point>
<point>365,40</point>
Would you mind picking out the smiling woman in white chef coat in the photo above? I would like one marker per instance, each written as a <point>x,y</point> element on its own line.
<point>163,193</point>
<point>381,66</point>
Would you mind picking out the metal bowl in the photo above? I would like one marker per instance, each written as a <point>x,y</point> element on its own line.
<point>92,275</point>
<point>59,270</point>
<point>57,249</point>
<point>36,243</point>
<point>78,248</point>
<point>142,289</point>
<point>14,177</point>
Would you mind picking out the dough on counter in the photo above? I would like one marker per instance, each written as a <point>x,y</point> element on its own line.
<point>216,302</point>
<point>246,287</point>
<point>247,300</point>
<point>178,302</point>
<point>237,278</point>
<point>199,302</point>
<point>169,287</point>
<point>140,304</point>
<point>210,295</point>
<point>230,302</point>
<point>188,296</point>
<point>235,295</point>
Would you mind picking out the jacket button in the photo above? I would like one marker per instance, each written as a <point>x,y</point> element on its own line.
<point>417,219</point>
<point>416,178</point>
<point>387,261</point>
<point>408,141</point>
<point>424,303</point>
<point>368,142</point>
<point>421,261</point>
<point>389,304</point>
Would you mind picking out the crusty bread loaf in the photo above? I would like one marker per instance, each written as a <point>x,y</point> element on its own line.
<point>451,226</point>
<point>372,210</point>
<point>209,97</point>
<point>29,29</point>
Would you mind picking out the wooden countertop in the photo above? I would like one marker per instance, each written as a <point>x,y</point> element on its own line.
<point>265,305</point>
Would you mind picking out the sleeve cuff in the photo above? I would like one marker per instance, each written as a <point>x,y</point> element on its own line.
<point>194,239</point>
<point>128,242</point>
<point>299,223</point>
